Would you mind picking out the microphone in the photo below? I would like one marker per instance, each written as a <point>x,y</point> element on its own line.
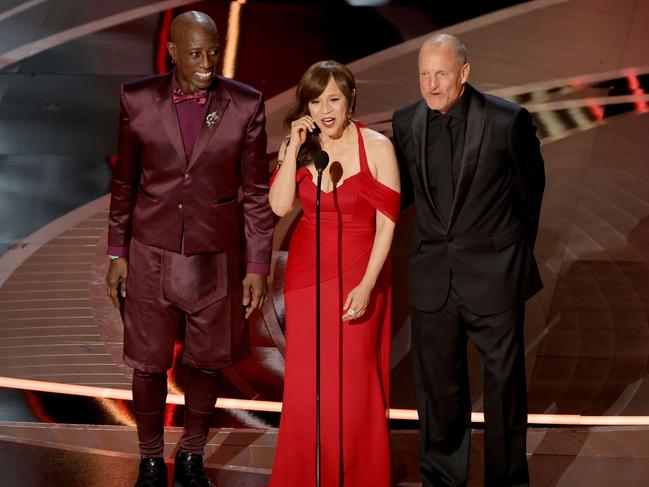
<point>321,160</point>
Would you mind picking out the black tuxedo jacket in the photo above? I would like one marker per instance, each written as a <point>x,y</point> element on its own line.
<point>486,249</point>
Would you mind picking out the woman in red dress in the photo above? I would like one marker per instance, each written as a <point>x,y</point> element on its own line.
<point>359,207</point>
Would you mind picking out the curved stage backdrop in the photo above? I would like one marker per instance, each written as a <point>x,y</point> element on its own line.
<point>579,66</point>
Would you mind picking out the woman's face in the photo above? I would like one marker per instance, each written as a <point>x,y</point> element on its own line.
<point>329,110</point>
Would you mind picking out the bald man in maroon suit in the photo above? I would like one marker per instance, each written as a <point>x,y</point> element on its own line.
<point>188,141</point>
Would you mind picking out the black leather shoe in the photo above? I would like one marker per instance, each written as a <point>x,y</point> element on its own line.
<point>189,471</point>
<point>153,473</point>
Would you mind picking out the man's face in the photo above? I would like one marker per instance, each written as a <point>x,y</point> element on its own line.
<point>196,52</point>
<point>441,76</point>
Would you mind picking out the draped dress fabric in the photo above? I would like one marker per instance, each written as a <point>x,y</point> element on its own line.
<point>355,355</point>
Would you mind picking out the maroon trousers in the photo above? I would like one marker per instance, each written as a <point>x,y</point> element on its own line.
<point>149,395</point>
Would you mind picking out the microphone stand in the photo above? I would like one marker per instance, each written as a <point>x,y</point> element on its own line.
<point>320,161</point>
<point>317,328</point>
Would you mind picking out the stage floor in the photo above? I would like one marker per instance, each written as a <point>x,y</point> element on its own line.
<point>71,455</point>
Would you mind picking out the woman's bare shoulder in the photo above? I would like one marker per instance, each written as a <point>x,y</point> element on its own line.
<point>376,142</point>
<point>371,135</point>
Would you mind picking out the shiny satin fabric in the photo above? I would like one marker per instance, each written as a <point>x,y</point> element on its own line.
<point>216,333</point>
<point>181,218</point>
<point>162,198</point>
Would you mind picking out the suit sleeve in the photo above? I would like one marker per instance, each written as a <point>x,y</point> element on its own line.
<point>126,176</point>
<point>525,151</point>
<point>407,194</point>
<point>258,216</point>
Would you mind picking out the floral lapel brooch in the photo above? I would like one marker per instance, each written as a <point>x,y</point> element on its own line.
<point>212,118</point>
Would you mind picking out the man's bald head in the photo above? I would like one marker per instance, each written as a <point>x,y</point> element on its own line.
<point>453,42</point>
<point>187,21</point>
<point>194,48</point>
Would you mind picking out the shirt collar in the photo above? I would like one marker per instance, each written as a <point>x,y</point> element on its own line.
<point>458,111</point>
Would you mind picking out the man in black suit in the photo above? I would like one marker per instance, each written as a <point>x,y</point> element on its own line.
<point>473,165</point>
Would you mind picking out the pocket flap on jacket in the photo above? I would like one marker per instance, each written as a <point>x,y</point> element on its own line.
<point>193,282</point>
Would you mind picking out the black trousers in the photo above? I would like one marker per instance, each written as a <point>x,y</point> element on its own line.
<point>439,342</point>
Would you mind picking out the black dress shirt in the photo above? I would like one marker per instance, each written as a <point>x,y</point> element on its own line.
<point>444,163</point>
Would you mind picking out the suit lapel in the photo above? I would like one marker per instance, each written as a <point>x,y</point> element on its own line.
<point>471,151</point>
<point>419,134</point>
<point>169,118</point>
<point>218,102</point>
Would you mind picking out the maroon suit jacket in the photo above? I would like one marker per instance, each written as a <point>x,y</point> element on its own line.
<point>159,197</point>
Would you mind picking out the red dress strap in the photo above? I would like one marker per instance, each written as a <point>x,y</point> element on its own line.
<point>384,199</point>
<point>362,155</point>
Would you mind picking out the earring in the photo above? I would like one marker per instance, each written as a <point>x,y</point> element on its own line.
<point>173,60</point>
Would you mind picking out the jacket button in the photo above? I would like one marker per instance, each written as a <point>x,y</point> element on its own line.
<point>186,175</point>
<point>449,238</point>
<point>180,206</point>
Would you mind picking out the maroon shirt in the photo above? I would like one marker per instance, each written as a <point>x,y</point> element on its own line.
<point>190,116</point>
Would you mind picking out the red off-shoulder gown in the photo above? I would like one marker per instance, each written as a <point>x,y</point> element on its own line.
<point>355,356</point>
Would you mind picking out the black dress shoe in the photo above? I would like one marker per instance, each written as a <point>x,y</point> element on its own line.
<point>153,473</point>
<point>189,471</point>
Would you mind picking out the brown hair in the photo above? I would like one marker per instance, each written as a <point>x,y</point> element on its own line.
<point>313,83</point>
